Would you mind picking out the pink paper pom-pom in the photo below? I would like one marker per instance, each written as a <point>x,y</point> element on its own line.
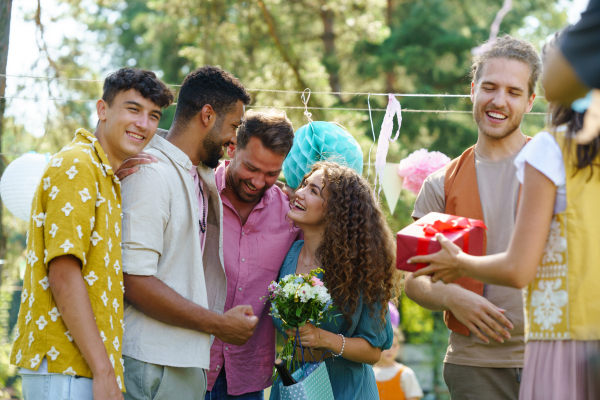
<point>418,166</point>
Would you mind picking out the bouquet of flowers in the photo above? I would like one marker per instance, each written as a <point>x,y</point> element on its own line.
<point>296,300</point>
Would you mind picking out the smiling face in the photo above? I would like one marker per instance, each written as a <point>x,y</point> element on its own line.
<point>129,123</point>
<point>253,170</point>
<point>309,201</point>
<point>500,97</point>
<point>217,139</point>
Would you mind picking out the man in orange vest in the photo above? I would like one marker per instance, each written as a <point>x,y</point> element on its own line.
<point>486,347</point>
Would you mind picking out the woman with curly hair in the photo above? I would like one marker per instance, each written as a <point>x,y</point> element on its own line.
<point>345,234</point>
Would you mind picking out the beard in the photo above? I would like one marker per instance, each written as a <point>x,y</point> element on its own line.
<point>212,145</point>
<point>512,126</point>
<point>236,185</point>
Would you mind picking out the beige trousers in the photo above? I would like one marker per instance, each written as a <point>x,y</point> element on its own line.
<point>145,381</point>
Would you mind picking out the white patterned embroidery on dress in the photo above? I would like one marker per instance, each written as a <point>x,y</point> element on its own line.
<point>548,293</point>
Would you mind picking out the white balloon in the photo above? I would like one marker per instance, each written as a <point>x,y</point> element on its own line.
<point>19,183</point>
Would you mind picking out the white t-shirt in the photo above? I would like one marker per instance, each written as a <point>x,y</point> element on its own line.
<point>408,379</point>
<point>544,154</point>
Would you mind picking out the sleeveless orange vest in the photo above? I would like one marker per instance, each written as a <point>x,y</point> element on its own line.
<point>391,390</point>
<point>462,199</point>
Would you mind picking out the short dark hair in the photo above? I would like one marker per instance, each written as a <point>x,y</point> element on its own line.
<point>145,82</point>
<point>272,127</point>
<point>507,46</point>
<point>208,85</point>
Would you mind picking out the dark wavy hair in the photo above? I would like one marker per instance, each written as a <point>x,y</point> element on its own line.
<point>358,250</point>
<point>208,85</point>
<point>586,154</point>
<point>145,82</point>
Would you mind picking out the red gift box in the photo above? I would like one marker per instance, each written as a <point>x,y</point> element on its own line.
<point>418,239</point>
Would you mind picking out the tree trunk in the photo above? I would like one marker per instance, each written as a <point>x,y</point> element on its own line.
<point>390,79</point>
<point>5,10</point>
<point>330,60</point>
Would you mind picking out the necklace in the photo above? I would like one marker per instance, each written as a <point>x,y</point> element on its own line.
<point>203,222</point>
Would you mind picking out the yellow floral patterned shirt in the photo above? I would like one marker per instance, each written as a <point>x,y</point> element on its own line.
<point>76,211</point>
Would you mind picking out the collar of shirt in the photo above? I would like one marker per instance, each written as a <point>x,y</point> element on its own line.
<point>171,151</point>
<point>220,174</point>
<point>81,135</point>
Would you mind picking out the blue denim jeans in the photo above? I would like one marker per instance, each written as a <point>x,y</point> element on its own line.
<point>219,391</point>
<point>56,387</point>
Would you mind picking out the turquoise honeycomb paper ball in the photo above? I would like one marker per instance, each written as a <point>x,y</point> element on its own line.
<point>320,141</point>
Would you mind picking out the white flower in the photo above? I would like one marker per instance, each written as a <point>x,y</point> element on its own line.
<point>31,258</point>
<point>68,334</point>
<point>67,209</point>
<point>69,371</point>
<point>109,284</point>
<point>103,336</point>
<point>45,283</point>
<point>109,208</point>
<point>46,183</point>
<point>117,230</point>
<point>54,192</point>
<point>31,299</point>
<point>24,296</point>
<point>45,256</point>
<point>35,361</point>
<point>109,244</point>
<point>28,317</point>
<point>305,293</point>
<point>104,299</point>
<point>321,294</point>
<point>290,289</point>
<point>31,338</point>
<point>92,222</point>
<point>39,219</point>
<point>18,357</point>
<point>72,172</point>
<point>41,323</point>
<point>116,306</point>
<point>75,161</point>
<point>112,360</point>
<point>54,314</point>
<point>95,238</point>
<point>17,334</point>
<point>91,278</point>
<point>85,194</point>
<point>53,230</point>
<point>547,303</point>
<point>56,162</point>
<point>119,382</point>
<point>99,198</point>
<point>67,245</point>
<point>114,193</point>
<point>117,267</point>
<point>116,343</point>
<point>53,353</point>
<point>79,232</point>
<point>106,260</point>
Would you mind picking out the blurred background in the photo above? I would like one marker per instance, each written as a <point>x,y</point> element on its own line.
<point>60,51</point>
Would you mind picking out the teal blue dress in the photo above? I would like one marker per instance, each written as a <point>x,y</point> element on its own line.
<point>349,380</point>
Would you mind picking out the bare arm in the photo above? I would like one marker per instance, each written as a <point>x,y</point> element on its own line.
<point>560,81</point>
<point>518,265</point>
<point>477,313</point>
<point>356,349</point>
<point>154,298</point>
<point>71,296</point>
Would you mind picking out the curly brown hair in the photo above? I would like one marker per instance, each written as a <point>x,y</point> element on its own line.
<point>358,250</point>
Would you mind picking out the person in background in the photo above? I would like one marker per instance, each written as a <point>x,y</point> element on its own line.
<point>69,331</point>
<point>394,380</point>
<point>553,254</point>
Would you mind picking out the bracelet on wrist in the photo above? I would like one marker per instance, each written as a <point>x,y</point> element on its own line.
<point>343,345</point>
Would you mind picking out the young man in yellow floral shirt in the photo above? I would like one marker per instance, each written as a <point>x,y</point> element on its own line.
<point>70,327</point>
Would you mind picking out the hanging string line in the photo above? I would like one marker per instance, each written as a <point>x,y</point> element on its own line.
<point>272,90</point>
<point>292,107</point>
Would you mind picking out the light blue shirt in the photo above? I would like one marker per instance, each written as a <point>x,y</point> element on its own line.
<point>349,380</point>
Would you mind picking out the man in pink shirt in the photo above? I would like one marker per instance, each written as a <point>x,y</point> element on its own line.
<point>256,239</point>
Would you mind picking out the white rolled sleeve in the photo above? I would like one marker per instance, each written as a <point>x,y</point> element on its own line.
<point>145,216</point>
